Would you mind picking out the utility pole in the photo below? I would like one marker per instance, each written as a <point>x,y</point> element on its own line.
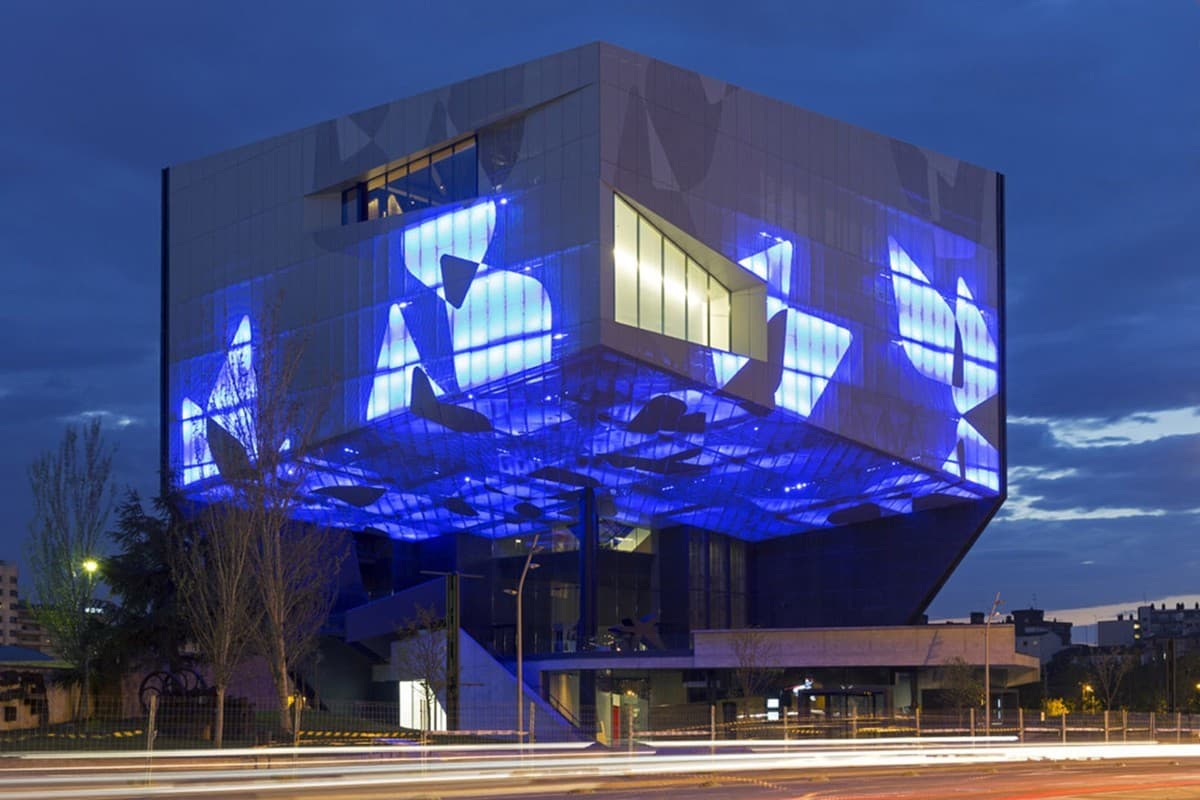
<point>987,667</point>
<point>519,592</point>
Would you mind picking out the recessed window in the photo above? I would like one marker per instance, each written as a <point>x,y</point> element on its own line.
<point>445,176</point>
<point>660,289</point>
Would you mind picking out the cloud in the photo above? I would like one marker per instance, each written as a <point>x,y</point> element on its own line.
<point>1136,428</point>
<point>107,418</point>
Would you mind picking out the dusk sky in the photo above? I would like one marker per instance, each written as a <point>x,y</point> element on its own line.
<point>1089,108</point>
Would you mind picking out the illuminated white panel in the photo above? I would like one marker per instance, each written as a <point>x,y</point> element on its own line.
<point>414,712</point>
<point>926,319</point>
<point>773,265</point>
<point>233,398</point>
<point>391,390</point>
<point>464,233</point>
<point>982,460</point>
<point>503,327</point>
<point>813,349</point>
<point>726,365</point>
<point>979,351</point>
<point>197,457</point>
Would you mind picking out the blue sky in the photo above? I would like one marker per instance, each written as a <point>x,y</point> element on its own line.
<point>1087,106</point>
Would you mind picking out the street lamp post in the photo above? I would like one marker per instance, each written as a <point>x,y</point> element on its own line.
<point>519,592</point>
<point>89,566</point>
<point>987,668</point>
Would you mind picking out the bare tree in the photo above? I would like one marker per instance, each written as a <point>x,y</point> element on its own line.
<point>211,564</point>
<point>1108,669</point>
<point>72,498</point>
<point>753,651</point>
<point>960,684</point>
<point>421,656</point>
<point>260,436</point>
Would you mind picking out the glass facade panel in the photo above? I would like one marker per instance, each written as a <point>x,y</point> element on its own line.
<point>697,303</point>
<point>650,287</point>
<point>462,172</point>
<point>350,205</point>
<point>674,289</point>
<point>398,191</point>
<point>421,189</point>
<point>376,197</point>
<point>718,326</point>
<point>625,260</point>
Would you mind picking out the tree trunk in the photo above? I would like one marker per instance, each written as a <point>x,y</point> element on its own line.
<point>282,692</point>
<point>219,718</point>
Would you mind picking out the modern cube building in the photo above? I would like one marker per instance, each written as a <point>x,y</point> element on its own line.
<point>732,363</point>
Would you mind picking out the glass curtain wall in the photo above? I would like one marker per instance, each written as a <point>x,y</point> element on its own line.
<point>660,289</point>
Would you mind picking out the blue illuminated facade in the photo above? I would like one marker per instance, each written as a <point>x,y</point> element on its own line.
<point>734,363</point>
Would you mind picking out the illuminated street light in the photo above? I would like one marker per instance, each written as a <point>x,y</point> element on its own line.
<point>90,567</point>
<point>519,593</point>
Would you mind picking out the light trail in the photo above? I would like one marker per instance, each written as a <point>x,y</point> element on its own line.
<point>563,765</point>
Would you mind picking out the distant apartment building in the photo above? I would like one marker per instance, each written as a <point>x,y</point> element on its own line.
<point>1038,636</point>
<point>9,618</point>
<point>1150,623</point>
<point>1035,635</point>
<point>18,625</point>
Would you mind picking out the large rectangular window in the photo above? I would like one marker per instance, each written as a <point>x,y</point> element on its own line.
<point>445,176</point>
<point>659,288</point>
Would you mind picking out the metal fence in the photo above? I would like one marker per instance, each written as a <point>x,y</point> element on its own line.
<point>185,722</point>
<point>724,721</point>
<point>173,723</point>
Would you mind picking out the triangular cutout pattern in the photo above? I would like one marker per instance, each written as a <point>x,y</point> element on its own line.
<point>457,274</point>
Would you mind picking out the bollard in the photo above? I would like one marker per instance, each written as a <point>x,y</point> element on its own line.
<point>972,722</point>
<point>1153,728</point>
<point>918,721</point>
<point>712,728</point>
<point>1021,725</point>
<point>1064,727</point>
<point>532,720</point>
<point>1106,726</point>
<point>1124,725</point>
